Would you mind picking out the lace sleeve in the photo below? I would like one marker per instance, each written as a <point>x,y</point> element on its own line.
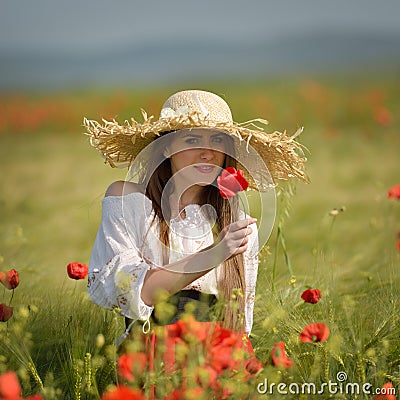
<point>251,269</point>
<point>117,269</point>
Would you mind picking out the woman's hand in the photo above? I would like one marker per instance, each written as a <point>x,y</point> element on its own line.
<point>233,239</point>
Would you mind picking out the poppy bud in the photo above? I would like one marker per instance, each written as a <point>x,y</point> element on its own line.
<point>5,312</point>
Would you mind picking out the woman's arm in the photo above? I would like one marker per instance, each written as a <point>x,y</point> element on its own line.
<point>232,240</point>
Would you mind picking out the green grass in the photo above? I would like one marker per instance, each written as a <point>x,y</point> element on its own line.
<point>52,184</point>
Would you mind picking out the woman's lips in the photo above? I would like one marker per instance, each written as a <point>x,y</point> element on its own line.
<point>205,169</point>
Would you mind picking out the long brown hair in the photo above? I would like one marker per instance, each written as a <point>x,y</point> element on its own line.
<point>231,282</point>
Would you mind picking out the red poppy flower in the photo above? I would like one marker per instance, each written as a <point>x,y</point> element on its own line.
<point>222,345</point>
<point>77,270</point>
<point>231,181</point>
<point>10,279</point>
<point>387,392</point>
<point>131,365</point>
<point>394,192</point>
<point>10,388</point>
<point>318,332</point>
<point>253,365</point>
<point>221,358</point>
<point>188,328</point>
<point>398,245</point>
<point>123,392</point>
<point>5,313</point>
<point>279,356</point>
<point>312,296</point>
<point>223,336</point>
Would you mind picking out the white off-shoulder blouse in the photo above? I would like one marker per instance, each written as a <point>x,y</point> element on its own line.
<point>127,246</point>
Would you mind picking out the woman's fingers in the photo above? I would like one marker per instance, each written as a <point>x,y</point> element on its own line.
<point>234,237</point>
<point>240,234</point>
<point>243,223</point>
<point>237,230</point>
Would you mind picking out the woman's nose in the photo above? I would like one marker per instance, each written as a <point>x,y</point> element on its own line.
<point>207,154</point>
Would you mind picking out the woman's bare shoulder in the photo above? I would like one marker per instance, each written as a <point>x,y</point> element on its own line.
<point>121,188</point>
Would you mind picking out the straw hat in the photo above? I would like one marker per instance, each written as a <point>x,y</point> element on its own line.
<point>121,144</point>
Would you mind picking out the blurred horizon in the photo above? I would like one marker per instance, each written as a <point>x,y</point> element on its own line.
<point>44,45</point>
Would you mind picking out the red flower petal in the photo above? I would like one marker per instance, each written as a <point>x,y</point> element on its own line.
<point>231,181</point>
<point>6,313</point>
<point>77,270</point>
<point>279,356</point>
<point>10,388</point>
<point>387,392</point>
<point>242,180</point>
<point>311,296</point>
<point>223,336</point>
<point>318,332</point>
<point>221,358</point>
<point>123,392</point>
<point>189,327</point>
<point>394,192</point>
<point>10,279</point>
<point>131,364</point>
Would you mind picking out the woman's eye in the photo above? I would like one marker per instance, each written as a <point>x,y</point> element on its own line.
<point>191,141</point>
<point>218,140</point>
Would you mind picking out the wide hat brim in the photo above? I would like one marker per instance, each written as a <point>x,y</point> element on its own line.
<point>120,144</point>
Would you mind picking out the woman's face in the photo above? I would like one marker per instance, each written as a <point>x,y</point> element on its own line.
<point>197,155</point>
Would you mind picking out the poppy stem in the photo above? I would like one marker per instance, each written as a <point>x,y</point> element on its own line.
<point>300,303</point>
<point>12,296</point>
<point>285,253</point>
<point>244,208</point>
<point>275,258</point>
<point>280,240</point>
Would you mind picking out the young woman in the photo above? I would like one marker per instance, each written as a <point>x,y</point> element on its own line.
<point>171,230</point>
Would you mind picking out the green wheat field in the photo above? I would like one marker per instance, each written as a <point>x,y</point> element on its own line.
<point>339,233</point>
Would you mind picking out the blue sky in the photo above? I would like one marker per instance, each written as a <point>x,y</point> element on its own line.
<point>95,24</point>
<point>50,43</point>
